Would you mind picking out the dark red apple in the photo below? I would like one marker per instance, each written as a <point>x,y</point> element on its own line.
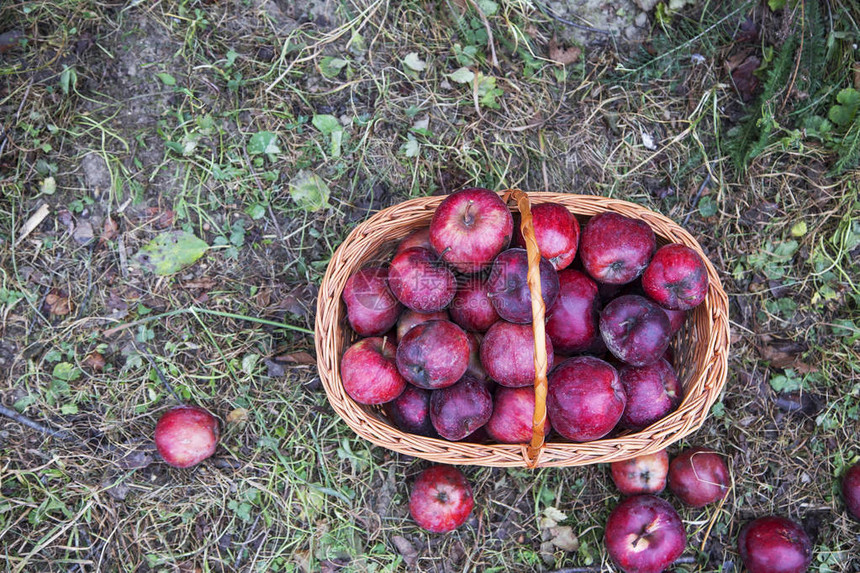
<point>556,232</point>
<point>369,373</point>
<point>409,318</point>
<point>508,286</point>
<point>572,322</point>
<point>676,278</point>
<point>643,474</point>
<point>774,544</point>
<point>616,249</point>
<point>420,281</point>
<point>371,308</point>
<point>475,367</point>
<point>411,412</point>
<point>419,238</point>
<point>441,499</point>
<point>459,410</point>
<point>644,534</point>
<point>699,476</point>
<point>433,354</point>
<point>513,416</point>
<point>652,392</point>
<point>851,490</point>
<point>677,318</point>
<point>471,307</point>
<point>585,398</point>
<point>508,354</point>
<point>186,435</point>
<point>469,228</point>
<point>635,330</point>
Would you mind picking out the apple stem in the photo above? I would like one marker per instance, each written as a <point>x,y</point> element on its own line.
<point>469,219</point>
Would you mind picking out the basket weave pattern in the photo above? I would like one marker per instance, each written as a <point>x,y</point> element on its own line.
<point>701,348</point>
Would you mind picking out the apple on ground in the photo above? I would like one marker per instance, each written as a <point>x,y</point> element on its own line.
<point>572,322</point>
<point>186,435</point>
<point>644,534</point>
<point>410,318</point>
<point>585,398</point>
<point>635,330</point>
<point>774,544</point>
<point>508,354</point>
<point>676,278</point>
<point>642,474</point>
<point>699,476</point>
<point>433,354</point>
<point>616,249</point>
<point>369,373</point>
<point>420,282</point>
<point>419,238</point>
<point>652,392</point>
<point>471,307</point>
<point>441,499</point>
<point>469,228</point>
<point>411,412</point>
<point>459,410</point>
<point>371,308</point>
<point>851,490</point>
<point>513,416</point>
<point>509,289</point>
<point>556,233</point>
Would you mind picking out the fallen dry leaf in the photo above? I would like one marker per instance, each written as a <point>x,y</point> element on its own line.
<point>57,303</point>
<point>782,353</point>
<point>95,361</point>
<point>563,55</point>
<point>742,66</point>
<point>201,283</point>
<point>300,357</point>
<point>563,538</point>
<point>406,550</point>
<point>110,230</point>
<point>238,415</point>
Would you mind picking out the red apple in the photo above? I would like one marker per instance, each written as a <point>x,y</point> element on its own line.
<point>419,238</point>
<point>475,368</point>
<point>635,330</point>
<point>508,354</point>
<point>459,410</point>
<point>774,544</point>
<point>433,354</point>
<point>369,373</point>
<point>441,499</point>
<point>699,476</point>
<point>676,278</point>
<point>509,289</point>
<point>556,232</point>
<point>643,474</point>
<point>411,411</point>
<point>851,490</point>
<point>677,318</point>
<point>616,249</point>
<point>469,228</point>
<point>644,534</point>
<point>585,398</point>
<point>371,308</point>
<point>652,392</point>
<point>513,416</point>
<point>471,307</point>
<point>410,318</point>
<point>186,435</point>
<point>420,282</point>
<point>572,322</point>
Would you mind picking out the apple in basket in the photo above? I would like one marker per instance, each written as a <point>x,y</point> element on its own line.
<point>556,233</point>
<point>441,499</point>
<point>369,372</point>
<point>644,534</point>
<point>186,435</point>
<point>459,410</point>
<point>509,289</point>
<point>513,416</point>
<point>676,278</point>
<point>420,281</point>
<point>585,398</point>
<point>411,412</point>
<point>471,307</point>
<point>652,392</point>
<point>371,308</point>
<point>642,474</point>
<point>508,354</point>
<point>433,354</point>
<point>572,322</point>
<point>635,330</point>
<point>410,318</point>
<point>616,249</point>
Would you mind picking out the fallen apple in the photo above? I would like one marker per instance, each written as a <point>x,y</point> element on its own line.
<point>441,499</point>
<point>186,435</point>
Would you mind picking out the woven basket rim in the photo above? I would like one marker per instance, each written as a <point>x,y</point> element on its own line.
<point>385,227</point>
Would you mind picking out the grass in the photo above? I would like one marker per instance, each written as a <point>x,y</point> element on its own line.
<point>200,116</point>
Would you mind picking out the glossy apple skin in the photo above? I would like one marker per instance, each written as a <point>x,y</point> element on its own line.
<point>585,398</point>
<point>644,534</point>
<point>411,412</point>
<point>635,330</point>
<point>643,474</point>
<point>186,435</point>
<point>433,354</point>
<point>419,238</point>
<point>509,289</point>
<point>371,308</point>
<point>441,499</point>
<point>676,278</point>
<point>573,321</point>
<point>556,232</point>
<point>513,415</point>
<point>471,307</point>
<point>851,490</point>
<point>369,373</point>
<point>774,544</point>
<point>409,318</point>
<point>469,228</point>
<point>699,476</point>
<point>677,318</point>
<point>652,392</point>
<point>420,282</point>
<point>616,249</point>
<point>508,354</point>
<point>459,410</point>
<point>475,368</point>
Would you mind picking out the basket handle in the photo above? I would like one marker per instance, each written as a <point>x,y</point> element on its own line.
<point>533,450</point>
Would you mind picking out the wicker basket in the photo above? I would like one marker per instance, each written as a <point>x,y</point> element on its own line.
<point>701,348</point>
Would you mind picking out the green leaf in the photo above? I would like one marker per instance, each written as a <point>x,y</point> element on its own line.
<point>327,124</point>
<point>411,147</point>
<point>264,142</point>
<point>68,80</point>
<point>843,115</point>
<point>788,382</point>
<point>331,67</point>
<point>66,372</point>
<point>169,253</point>
<point>48,186</point>
<point>798,229</point>
<point>166,78</point>
<point>488,7</point>
<point>413,62</point>
<point>309,191</point>
<point>462,76</point>
<point>707,206</point>
<point>775,5</point>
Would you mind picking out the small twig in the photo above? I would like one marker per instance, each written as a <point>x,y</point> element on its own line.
<point>197,309</point>
<point>34,221</point>
<point>697,196</point>
<point>582,27</point>
<point>32,424</point>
